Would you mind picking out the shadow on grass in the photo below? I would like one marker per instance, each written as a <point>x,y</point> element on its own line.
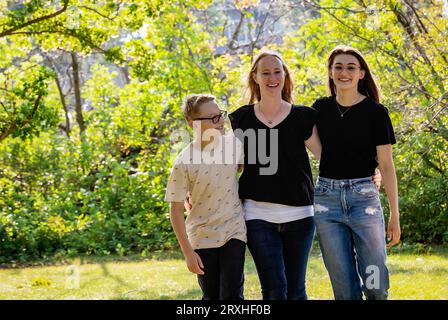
<point>435,271</point>
<point>419,250</point>
<point>159,255</point>
<point>192,294</point>
<point>117,279</point>
<point>155,255</point>
<point>15,271</point>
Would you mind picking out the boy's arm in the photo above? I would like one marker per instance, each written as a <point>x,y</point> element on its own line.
<point>192,259</point>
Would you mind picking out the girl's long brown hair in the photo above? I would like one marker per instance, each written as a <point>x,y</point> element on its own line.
<point>366,86</point>
<point>254,88</point>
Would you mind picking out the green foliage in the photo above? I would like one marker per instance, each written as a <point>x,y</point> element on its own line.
<point>99,191</point>
<point>46,206</point>
<point>23,111</point>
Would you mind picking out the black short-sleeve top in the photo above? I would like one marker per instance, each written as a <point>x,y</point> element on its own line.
<point>349,137</point>
<point>276,164</point>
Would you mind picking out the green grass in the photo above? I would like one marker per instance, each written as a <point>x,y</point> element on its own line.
<point>164,276</point>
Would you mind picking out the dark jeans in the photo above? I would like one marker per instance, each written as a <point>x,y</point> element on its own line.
<point>223,276</point>
<point>280,253</point>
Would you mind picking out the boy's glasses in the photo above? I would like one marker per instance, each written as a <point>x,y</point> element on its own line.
<point>350,69</point>
<point>216,118</point>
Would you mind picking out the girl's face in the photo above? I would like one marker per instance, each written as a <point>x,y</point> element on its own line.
<point>270,75</point>
<point>346,72</point>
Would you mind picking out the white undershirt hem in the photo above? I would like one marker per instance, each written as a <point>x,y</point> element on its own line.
<point>275,212</point>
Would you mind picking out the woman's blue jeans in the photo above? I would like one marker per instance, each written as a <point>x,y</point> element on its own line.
<point>280,252</point>
<point>350,227</point>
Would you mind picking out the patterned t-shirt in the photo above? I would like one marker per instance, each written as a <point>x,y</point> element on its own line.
<point>211,177</point>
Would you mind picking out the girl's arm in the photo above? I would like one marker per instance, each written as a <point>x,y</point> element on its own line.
<point>313,144</point>
<point>387,168</point>
<point>192,259</point>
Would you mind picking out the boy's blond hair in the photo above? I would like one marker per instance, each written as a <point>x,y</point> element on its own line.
<point>192,103</point>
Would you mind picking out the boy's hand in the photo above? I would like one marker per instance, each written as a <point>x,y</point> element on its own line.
<point>393,232</point>
<point>194,262</point>
<point>377,178</point>
<point>187,203</point>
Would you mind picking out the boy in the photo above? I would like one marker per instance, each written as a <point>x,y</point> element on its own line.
<point>213,236</point>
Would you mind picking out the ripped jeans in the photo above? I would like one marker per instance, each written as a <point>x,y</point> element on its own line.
<point>350,227</point>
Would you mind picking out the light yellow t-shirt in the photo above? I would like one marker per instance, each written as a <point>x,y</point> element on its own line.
<point>211,177</point>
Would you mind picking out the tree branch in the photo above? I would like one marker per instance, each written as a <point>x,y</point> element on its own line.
<point>64,33</point>
<point>190,52</point>
<point>234,40</point>
<point>34,21</point>
<point>98,13</point>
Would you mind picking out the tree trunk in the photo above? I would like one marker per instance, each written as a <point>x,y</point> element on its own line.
<point>64,106</point>
<point>77,87</point>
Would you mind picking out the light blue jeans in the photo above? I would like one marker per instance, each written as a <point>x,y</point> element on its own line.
<point>350,227</point>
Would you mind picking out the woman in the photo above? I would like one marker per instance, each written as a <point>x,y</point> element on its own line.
<point>278,203</point>
<point>357,136</point>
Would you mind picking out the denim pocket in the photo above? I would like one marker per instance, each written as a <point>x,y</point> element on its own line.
<point>321,190</point>
<point>366,190</point>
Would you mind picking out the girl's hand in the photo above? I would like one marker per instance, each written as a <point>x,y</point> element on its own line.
<point>377,178</point>
<point>194,262</point>
<point>187,203</point>
<point>393,232</point>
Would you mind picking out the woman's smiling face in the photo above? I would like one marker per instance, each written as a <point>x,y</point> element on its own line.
<point>270,75</point>
<point>346,72</point>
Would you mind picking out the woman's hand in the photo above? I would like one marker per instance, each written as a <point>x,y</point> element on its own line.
<point>393,232</point>
<point>188,203</point>
<point>377,178</point>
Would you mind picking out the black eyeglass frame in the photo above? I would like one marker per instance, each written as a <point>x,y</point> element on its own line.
<point>215,119</point>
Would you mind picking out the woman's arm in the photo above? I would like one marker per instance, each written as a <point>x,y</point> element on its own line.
<point>192,259</point>
<point>387,168</point>
<point>313,144</point>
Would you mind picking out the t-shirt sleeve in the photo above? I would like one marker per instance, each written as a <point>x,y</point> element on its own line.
<point>236,116</point>
<point>308,120</point>
<point>177,187</point>
<point>316,105</point>
<point>383,129</point>
<point>234,119</point>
